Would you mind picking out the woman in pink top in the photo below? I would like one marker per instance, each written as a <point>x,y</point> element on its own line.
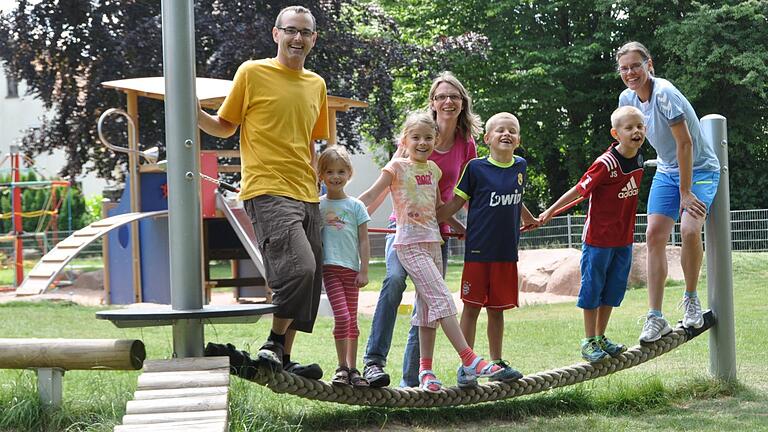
<point>450,106</point>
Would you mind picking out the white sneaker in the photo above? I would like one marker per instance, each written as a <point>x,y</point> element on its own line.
<point>654,328</point>
<point>692,316</point>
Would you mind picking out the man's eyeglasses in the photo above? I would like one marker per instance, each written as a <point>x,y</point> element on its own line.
<point>635,68</point>
<point>442,97</point>
<point>291,31</point>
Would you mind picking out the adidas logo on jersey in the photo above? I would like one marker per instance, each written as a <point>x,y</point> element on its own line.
<point>630,189</point>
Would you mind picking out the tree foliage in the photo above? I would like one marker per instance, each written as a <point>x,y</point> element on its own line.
<point>64,49</point>
<point>551,63</point>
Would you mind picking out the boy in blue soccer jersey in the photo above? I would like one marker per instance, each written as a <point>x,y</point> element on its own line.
<point>493,186</point>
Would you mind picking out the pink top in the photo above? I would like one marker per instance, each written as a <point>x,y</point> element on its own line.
<point>451,164</point>
<point>414,196</point>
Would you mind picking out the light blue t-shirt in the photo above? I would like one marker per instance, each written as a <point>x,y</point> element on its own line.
<point>341,219</point>
<point>666,107</point>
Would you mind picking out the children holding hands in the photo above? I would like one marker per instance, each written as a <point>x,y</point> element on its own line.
<point>493,187</point>
<point>612,185</point>
<point>413,182</point>
<point>345,258</point>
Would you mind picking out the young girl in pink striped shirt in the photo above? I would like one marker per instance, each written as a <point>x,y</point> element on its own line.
<point>412,181</point>
<point>345,258</point>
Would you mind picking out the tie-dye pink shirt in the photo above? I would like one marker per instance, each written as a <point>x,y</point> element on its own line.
<point>414,196</point>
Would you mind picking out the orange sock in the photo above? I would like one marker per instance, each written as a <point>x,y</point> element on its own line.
<point>425,364</point>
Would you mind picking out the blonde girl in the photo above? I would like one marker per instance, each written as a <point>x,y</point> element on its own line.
<point>345,259</point>
<point>413,182</point>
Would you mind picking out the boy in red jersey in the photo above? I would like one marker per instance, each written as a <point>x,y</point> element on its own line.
<point>612,185</point>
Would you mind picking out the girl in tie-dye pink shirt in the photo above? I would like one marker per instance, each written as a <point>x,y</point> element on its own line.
<point>412,182</point>
<point>414,194</point>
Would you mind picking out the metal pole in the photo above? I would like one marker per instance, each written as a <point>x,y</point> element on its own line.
<point>184,211</point>
<point>722,337</point>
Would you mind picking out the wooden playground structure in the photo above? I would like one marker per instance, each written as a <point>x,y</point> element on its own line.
<point>135,230</point>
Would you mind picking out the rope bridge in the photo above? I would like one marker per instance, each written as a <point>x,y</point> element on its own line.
<point>284,382</point>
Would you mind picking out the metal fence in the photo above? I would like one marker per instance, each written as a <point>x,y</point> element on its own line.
<point>749,233</point>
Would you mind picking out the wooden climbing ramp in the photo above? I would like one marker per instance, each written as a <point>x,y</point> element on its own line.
<point>183,395</point>
<point>48,268</point>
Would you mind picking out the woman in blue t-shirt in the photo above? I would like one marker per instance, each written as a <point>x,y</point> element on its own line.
<point>686,180</point>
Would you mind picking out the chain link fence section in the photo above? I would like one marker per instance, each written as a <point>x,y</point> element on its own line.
<point>749,231</point>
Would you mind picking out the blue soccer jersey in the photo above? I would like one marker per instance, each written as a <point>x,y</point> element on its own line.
<point>494,191</point>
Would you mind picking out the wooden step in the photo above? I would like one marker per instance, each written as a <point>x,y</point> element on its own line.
<point>185,395</point>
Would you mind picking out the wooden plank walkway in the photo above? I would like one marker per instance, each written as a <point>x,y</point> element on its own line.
<point>183,395</point>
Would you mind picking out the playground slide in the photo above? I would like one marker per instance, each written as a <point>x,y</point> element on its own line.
<point>48,268</point>
<point>241,224</point>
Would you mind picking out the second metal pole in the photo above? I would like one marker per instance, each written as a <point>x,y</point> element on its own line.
<point>722,337</point>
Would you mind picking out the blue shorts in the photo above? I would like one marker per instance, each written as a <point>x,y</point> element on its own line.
<point>604,275</point>
<point>664,197</point>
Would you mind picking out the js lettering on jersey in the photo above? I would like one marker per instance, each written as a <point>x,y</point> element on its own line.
<point>505,199</point>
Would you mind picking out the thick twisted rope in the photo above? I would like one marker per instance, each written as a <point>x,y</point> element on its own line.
<point>284,382</point>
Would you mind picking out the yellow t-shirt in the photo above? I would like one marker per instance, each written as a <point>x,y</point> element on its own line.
<point>280,111</point>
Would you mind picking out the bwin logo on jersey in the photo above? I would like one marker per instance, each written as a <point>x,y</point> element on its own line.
<point>506,199</point>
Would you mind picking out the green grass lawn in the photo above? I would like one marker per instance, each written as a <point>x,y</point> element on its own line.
<point>671,393</point>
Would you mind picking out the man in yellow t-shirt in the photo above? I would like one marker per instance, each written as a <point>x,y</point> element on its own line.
<point>281,108</point>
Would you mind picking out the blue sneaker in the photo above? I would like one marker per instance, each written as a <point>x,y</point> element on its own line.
<point>508,373</point>
<point>591,351</point>
<point>464,379</point>
<point>611,348</point>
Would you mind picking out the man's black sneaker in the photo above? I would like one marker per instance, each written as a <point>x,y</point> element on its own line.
<point>311,371</point>
<point>271,354</point>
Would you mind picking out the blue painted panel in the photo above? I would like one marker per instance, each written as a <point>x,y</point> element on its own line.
<point>120,273</point>
<point>153,239</point>
<point>155,265</point>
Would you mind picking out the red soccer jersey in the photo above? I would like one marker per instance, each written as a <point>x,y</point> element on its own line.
<point>613,185</point>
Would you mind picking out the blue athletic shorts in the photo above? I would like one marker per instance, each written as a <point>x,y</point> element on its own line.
<point>604,275</point>
<point>664,197</point>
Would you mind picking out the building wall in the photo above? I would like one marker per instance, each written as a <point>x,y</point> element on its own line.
<point>365,173</point>
<point>22,112</point>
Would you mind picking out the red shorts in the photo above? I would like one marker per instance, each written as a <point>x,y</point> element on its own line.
<point>490,284</point>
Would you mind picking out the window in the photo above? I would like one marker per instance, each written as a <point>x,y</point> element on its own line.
<point>13,88</point>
